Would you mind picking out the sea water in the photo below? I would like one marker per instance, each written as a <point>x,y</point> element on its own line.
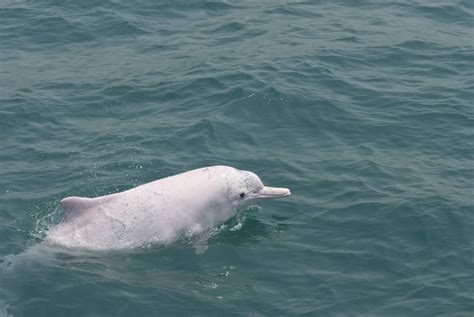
<point>364,109</point>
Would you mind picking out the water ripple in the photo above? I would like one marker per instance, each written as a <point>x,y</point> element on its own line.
<point>362,108</point>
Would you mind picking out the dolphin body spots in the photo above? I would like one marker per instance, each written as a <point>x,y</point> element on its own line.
<point>159,212</point>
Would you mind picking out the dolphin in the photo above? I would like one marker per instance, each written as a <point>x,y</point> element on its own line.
<point>159,212</point>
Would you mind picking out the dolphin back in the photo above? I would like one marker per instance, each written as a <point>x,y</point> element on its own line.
<point>73,205</point>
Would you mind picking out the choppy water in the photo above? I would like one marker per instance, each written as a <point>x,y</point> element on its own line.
<point>363,108</point>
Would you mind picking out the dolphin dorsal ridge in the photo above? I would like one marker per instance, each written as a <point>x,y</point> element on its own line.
<point>77,203</point>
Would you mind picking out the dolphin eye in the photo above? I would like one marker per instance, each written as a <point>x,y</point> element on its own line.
<point>242,195</point>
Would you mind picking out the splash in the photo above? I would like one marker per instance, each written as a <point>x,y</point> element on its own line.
<point>43,224</point>
<point>4,309</point>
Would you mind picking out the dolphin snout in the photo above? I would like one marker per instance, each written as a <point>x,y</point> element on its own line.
<point>273,192</point>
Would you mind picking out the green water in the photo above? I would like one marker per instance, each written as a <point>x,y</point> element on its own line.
<point>364,109</point>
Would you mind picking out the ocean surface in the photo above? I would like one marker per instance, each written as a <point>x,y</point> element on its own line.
<point>364,109</point>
